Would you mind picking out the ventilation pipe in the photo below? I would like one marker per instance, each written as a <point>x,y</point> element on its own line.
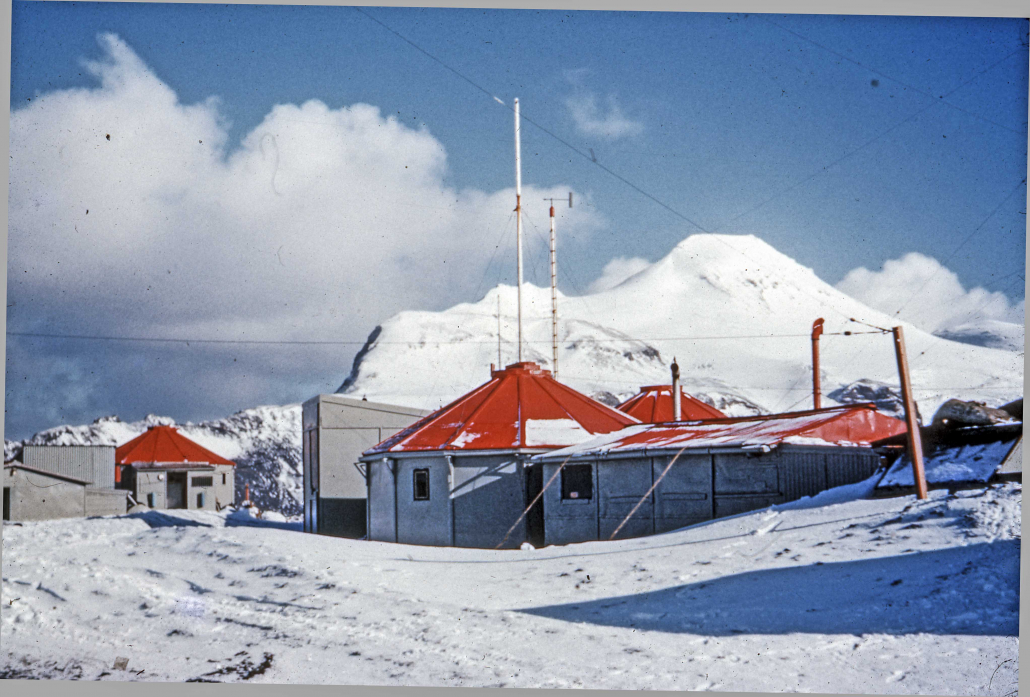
<point>817,331</point>
<point>677,406</point>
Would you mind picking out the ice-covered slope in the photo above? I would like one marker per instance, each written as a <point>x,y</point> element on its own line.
<point>736,313</point>
<point>264,442</point>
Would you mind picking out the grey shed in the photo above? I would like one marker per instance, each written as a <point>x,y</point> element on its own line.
<point>336,430</point>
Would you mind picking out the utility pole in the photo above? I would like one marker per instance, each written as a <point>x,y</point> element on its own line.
<point>554,291</point>
<point>518,219</point>
<point>817,330</point>
<point>915,441</point>
<point>499,364</point>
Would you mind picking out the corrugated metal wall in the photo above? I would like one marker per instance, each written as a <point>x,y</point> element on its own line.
<point>94,463</point>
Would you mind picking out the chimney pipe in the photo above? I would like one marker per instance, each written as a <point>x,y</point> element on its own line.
<point>817,330</point>
<point>677,407</point>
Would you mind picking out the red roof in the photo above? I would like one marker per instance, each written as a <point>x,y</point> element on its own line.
<point>164,444</point>
<point>852,425</point>
<point>653,404</point>
<point>521,406</point>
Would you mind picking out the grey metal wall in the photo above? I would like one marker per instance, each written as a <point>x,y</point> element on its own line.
<point>382,501</point>
<point>423,522</point>
<point>489,495</point>
<point>93,463</point>
<point>155,481</point>
<point>36,496</point>
<point>336,431</point>
<point>699,487</point>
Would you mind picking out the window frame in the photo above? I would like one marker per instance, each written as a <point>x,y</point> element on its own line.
<point>415,473</point>
<point>566,492</point>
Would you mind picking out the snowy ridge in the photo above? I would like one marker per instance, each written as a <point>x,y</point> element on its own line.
<point>264,442</point>
<point>736,313</point>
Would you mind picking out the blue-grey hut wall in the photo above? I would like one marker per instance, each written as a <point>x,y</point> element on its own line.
<point>473,506</point>
<point>93,463</point>
<point>382,501</point>
<point>489,495</point>
<point>685,495</point>
<point>423,522</point>
<point>574,520</point>
<point>699,487</point>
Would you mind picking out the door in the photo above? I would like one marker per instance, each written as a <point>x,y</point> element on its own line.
<point>176,497</point>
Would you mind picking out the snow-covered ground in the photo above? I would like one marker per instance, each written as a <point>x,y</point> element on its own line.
<point>833,594</point>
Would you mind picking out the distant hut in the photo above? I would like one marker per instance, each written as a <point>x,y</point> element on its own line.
<point>461,475</point>
<point>653,405</point>
<point>722,467</point>
<point>165,469</point>
<point>31,493</point>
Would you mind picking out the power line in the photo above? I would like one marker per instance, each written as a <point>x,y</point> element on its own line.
<point>341,342</point>
<point>961,245</point>
<point>893,79</point>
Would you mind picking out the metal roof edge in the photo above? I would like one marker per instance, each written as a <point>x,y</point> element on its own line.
<point>367,405</point>
<point>56,475</point>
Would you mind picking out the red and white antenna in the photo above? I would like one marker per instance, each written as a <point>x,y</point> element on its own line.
<point>554,291</point>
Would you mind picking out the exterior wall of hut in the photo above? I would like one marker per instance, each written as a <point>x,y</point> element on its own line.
<point>336,431</point>
<point>700,486</point>
<point>205,488</point>
<point>35,496</point>
<point>93,463</point>
<point>472,499</point>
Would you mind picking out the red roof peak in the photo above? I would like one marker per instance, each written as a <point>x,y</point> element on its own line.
<point>165,444</point>
<point>653,404</point>
<point>521,406</point>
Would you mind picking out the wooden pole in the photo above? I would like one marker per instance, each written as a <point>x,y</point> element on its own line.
<point>554,299</point>
<point>915,441</point>
<point>817,330</point>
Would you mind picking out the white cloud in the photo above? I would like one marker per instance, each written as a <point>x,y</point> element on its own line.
<point>590,120</point>
<point>616,271</point>
<point>319,224</point>
<point>928,294</point>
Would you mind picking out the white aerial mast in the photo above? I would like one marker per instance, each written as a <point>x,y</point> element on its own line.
<point>518,220</point>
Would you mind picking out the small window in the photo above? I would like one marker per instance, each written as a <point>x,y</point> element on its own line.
<point>577,482</point>
<point>223,478</point>
<point>150,500</point>
<point>421,482</point>
<point>203,481</point>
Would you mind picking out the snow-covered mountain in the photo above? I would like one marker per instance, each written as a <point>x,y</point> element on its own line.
<point>734,312</point>
<point>264,442</point>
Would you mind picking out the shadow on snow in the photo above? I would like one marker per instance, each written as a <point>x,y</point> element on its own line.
<point>971,590</point>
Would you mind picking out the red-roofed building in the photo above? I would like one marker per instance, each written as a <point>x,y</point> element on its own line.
<point>653,405</point>
<point>459,476</point>
<point>722,467</point>
<point>165,469</point>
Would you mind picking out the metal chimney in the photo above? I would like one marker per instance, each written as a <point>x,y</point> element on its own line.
<point>677,406</point>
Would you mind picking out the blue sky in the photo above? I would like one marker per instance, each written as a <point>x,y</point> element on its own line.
<point>842,141</point>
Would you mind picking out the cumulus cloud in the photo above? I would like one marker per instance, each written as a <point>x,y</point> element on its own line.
<point>130,213</point>
<point>591,120</point>
<point>929,295</point>
<point>616,271</point>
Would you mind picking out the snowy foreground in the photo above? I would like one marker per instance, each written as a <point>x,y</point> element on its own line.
<point>861,595</point>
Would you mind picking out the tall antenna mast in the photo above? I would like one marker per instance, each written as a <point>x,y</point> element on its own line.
<point>499,364</point>
<point>518,219</point>
<point>554,291</point>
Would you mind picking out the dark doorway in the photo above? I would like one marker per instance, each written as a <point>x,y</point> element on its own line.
<point>7,503</point>
<point>176,490</point>
<point>535,517</point>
